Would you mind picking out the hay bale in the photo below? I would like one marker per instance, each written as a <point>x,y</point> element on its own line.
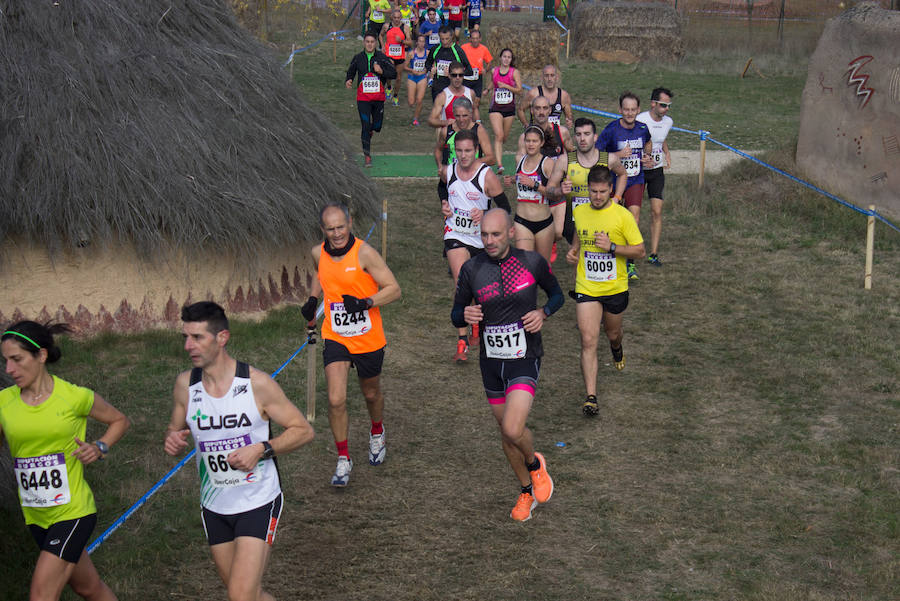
<point>616,56</point>
<point>533,46</point>
<point>649,31</point>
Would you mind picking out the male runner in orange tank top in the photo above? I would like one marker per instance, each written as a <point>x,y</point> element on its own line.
<point>356,282</point>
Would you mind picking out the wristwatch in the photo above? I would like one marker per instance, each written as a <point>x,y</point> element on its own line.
<point>612,248</point>
<point>268,451</point>
<point>104,448</point>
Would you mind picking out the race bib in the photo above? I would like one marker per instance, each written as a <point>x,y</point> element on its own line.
<point>554,119</point>
<point>371,84</point>
<point>526,194</point>
<point>419,64</point>
<point>454,10</point>
<point>377,15</point>
<point>461,223</point>
<point>434,39</point>
<point>599,267</point>
<point>43,480</point>
<point>395,50</point>
<point>474,13</point>
<point>659,159</point>
<point>577,201</point>
<point>442,68</point>
<point>503,96</point>
<point>474,76</point>
<point>214,454</point>
<point>505,341</point>
<point>347,324</point>
<point>632,165</point>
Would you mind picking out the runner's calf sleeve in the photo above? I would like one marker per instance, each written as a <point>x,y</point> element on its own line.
<point>501,201</point>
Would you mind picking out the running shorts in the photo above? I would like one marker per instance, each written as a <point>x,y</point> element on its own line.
<point>451,243</point>
<point>506,112</point>
<point>65,539</point>
<point>534,226</point>
<point>368,365</point>
<point>655,180</point>
<point>501,376</point>
<point>633,196</point>
<point>614,303</point>
<point>257,523</point>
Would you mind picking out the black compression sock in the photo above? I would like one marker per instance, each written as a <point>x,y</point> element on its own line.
<point>534,466</point>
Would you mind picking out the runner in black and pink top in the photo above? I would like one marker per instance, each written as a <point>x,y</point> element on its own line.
<point>503,282</point>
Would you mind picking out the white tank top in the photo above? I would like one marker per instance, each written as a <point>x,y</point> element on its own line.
<point>219,426</point>
<point>465,195</point>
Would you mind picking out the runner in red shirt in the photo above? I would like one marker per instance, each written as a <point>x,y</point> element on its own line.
<point>455,10</point>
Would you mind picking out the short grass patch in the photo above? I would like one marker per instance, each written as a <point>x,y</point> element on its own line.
<point>748,450</point>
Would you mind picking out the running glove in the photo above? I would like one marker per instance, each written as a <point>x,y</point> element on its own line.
<point>308,310</point>
<point>356,305</point>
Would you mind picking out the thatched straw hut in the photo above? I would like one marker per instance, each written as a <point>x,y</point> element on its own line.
<point>534,46</point>
<point>151,154</point>
<point>649,31</point>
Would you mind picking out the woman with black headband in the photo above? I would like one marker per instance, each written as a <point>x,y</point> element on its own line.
<point>44,419</point>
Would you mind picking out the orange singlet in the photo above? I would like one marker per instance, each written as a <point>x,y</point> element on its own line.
<point>359,332</point>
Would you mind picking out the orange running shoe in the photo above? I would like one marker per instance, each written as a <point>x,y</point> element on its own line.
<point>541,482</point>
<point>462,350</point>
<point>473,339</point>
<point>522,511</point>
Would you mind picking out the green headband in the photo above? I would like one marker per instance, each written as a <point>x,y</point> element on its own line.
<point>20,335</point>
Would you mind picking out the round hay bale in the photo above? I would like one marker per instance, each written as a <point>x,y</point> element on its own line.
<point>850,109</point>
<point>649,31</point>
<point>152,154</point>
<point>533,46</point>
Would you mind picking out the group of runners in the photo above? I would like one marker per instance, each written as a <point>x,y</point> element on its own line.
<point>571,183</point>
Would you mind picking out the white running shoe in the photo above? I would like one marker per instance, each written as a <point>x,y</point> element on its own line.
<point>342,472</point>
<point>376,448</point>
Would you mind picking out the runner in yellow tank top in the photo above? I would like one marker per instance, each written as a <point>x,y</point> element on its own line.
<point>568,182</point>
<point>356,282</point>
<point>44,420</point>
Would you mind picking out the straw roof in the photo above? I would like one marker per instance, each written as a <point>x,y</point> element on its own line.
<point>161,123</point>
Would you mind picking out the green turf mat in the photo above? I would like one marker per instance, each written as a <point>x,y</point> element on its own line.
<point>413,165</point>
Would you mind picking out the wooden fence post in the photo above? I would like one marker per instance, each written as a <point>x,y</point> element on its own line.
<point>703,135</point>
<point>384,229</point>
<point>293,47</point>
<point>870,246</point>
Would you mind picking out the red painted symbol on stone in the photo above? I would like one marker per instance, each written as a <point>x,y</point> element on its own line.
<point>860,80</point>
<point>822,85</point>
